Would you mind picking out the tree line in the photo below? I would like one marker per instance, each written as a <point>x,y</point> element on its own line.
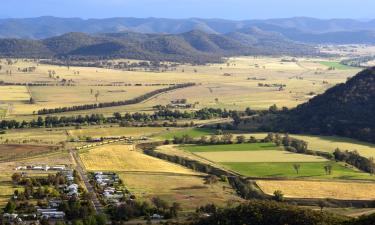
<point>135,100</point>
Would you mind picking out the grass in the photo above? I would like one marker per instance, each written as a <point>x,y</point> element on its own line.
<point>115,131</point>
<point>258,156</point>
<point>189,191</point>
<point>307,170</point>
<point>13,152</point>
<point>192,132</point>
<point>330,143</point>
<point>337,65</point>
<point>215,89</point>
<point>320,189</point>
<point>232,147</point>
<point>125,158</point>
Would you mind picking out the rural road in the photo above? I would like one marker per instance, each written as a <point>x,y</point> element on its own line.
<point>82,172</point>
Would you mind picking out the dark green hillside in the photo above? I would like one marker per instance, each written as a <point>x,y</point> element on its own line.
<point>346,110</point>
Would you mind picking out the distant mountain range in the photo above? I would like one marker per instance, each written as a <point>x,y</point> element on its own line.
<point>193,46</point>
<point>302,29</point>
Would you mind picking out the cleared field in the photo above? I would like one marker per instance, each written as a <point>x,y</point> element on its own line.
<point>306,170</point>
<point>233,86</point>
<point>189,191</point>
<point>34,136</point>
<point>14,93</point>
<point>60,96</point>
<point>231,148</point>
<point>319,189</point>
<point>258,156</point>
<point>125,158</point>
<point>337,65</point>
<point>13,152</point>
<point>192,132</point>
<point>330,143</point>
<point>115,131</point>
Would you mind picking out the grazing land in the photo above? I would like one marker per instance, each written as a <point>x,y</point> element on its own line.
<point>115,131</point>
<point>147,177</point>
<point>231,148</point>
<point>237,84</point>
<point>269,156</point>
<point>13,151</point>
<point>337,65</point>
<point>320,189</point>
<point>126,158</point>
<point>192,132</point>
<point>330,143</point>
<point>307,170</point>
<point>190,191</point>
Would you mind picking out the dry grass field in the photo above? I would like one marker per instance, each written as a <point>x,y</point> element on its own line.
<point>259,156</point>
<point>190,191</point>
<point>320,189</point>
<point>116,131</point>
<point>40,136</point>
<point>234,85</point>
<point>126,158</point>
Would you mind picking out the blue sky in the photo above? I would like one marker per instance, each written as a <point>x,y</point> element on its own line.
<point>227,9</point>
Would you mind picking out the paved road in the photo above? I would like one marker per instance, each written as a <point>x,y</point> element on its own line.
<point>82,172</point>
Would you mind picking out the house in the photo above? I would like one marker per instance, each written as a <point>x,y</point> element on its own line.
<point>58,167</point>
<point>54,203</point>
<point>156,217</point>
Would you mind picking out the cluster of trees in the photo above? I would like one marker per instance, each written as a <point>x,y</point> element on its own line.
<point>133,209</point>
<point>262,212</point>
<point>354,159</point>
<point>116,103</point>
<point>77,209</point>
<point>35,187</point>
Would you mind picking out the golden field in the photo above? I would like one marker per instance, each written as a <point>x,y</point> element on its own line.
<point>126,158</point>
<point>320,189</point>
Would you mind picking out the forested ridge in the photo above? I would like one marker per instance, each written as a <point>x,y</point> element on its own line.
<point>345,110</point>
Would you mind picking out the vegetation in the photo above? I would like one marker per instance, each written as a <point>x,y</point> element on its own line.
<point>267,212</point>
<point>344,110</point>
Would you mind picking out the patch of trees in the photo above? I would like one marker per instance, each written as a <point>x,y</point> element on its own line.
<point>135,100</point>
<point>354,159</point>
<point>134,209</point>
<point>266,213</point>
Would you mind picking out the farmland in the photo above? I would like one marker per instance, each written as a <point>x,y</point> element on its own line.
<point>336,65</point>
<point>320,189</point>
<point>307,170</point>
<point>126,158</point>
<point>330,143</point>
<point>147,177</point>
<point>267,160</point>
<point>115,131</point>
<point>255,82</point>
<point>234,85</point>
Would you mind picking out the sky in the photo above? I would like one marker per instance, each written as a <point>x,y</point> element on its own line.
<point>226,9</point>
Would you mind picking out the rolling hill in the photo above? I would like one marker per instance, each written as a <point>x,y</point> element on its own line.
<point>345,110</point>
<point>302,29</point>
<point>194,46</point>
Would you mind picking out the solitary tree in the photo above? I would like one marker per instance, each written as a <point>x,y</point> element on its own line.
<point>278,196</point>
<point>328,169</point>
<point>296,167</point>
<point>97,95</point>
